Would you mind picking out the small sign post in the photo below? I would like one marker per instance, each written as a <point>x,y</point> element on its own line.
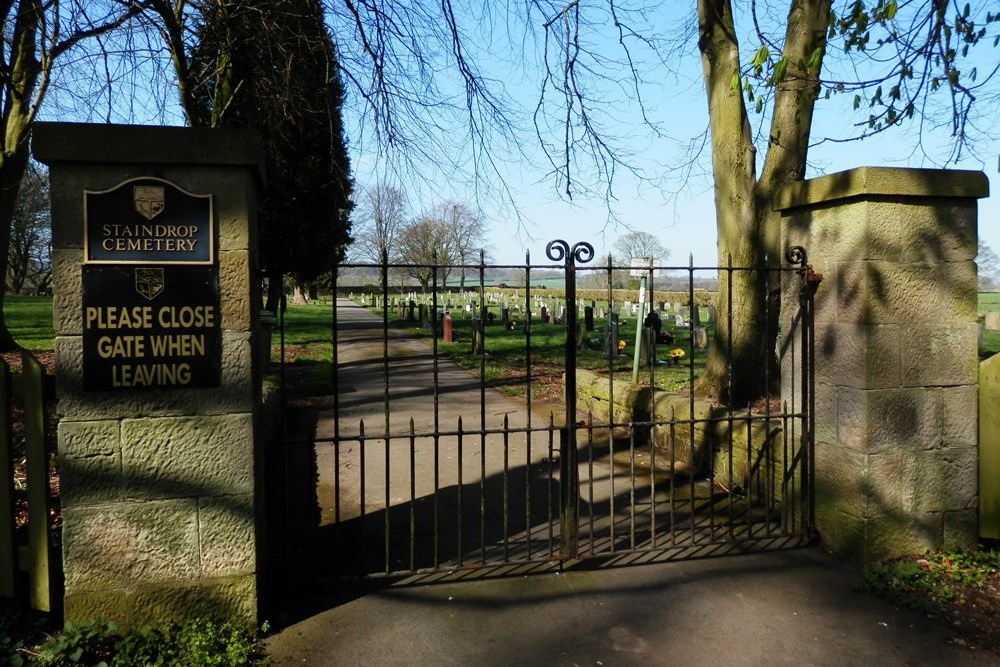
<point>639,318</point>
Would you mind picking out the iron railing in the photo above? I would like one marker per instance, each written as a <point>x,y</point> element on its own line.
<point>457,476</point>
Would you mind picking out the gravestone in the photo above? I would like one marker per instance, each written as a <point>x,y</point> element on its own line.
<point>478,344</point>
<point>700,338</point>
<point>581,335</point>
<point>611,338</point>
<point>588,317</point>
<point>446,329</point>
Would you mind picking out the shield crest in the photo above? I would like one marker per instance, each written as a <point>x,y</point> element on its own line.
<point>149,200</point>
<point>149,282</point>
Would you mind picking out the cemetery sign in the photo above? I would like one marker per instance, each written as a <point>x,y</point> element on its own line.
<point>150,288</point>
<point>147,220</point>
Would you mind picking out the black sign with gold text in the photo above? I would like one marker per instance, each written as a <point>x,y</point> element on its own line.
<point>147,221</point>
<point>150,326</point>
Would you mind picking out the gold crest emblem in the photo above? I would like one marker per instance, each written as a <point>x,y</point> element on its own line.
<point>149,200</point>
<point>149,282</point>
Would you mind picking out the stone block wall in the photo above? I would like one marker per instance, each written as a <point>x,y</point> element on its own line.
<point>157,485</point>
<point>896,354</point>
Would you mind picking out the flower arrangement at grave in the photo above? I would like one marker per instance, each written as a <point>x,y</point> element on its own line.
<point>676,354</point>
<point>621,345</point>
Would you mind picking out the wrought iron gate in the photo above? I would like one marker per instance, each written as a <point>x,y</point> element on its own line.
<point>421,467</point>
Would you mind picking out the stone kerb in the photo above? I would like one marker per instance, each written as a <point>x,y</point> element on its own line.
<point>157,483</point>
<point>896,354</point>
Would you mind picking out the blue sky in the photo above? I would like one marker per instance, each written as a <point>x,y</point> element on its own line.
<point>676,206</point>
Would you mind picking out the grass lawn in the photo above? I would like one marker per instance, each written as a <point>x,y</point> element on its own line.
<point>307,349</point>
<point>29,319</point>
<point>989,302</point>
<point>505,364</point>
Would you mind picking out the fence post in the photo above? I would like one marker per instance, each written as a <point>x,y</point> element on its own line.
<point>29,386</point>
<point>581,252</point>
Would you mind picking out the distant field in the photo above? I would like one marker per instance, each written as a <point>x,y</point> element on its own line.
<point>989,301</point>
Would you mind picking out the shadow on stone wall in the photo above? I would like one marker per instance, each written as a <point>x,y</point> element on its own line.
<point>896,355</point>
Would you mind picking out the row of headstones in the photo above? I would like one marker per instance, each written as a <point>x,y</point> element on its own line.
<point>412,311</point>
<point>681,314</point>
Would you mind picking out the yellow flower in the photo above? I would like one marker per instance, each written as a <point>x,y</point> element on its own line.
<point>621,345</point>
<point>676,353</point>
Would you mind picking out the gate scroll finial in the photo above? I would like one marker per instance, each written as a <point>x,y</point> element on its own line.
<point>580,253</point>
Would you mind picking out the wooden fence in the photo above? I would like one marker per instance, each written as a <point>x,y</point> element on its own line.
<point>26,571</point>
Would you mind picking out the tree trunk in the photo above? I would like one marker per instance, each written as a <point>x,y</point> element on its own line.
<point>742,363</point>
<point>299,297</point>
<point>732,370</point>
<point>18,113</point>
<point>12,167</point>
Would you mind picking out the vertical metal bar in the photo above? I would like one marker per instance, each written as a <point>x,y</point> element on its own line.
<point>786,454</point>
<point>551,508</point>
<point>506,488</point>
<point>612,345</point>
<point>527,493</point>
<point>691,413</point>
<point>386,422</point>
<point>435,326</point>
<point>612,356</point>
<point>527,335</point>
<point>765,456</point>
<point>335,382</point>
<point>652,489</point>
<point>482,494</point>
<point>458,499</point>
<point>362,562</point>
<point>388,500</point>
<point>809,361</point>
<point>590,479</point>
<point>568,505</point>
<point>750,466</point>
<point>569,521</point>
<point>631,488</point>
<point>651,341</point>
<point>413,497</point>
<point>482,404</point>
<point>672,490</point>
<point>527,392</point>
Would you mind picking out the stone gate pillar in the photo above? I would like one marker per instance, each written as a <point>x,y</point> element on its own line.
<point>155,306</point>
<point>896,354</point>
